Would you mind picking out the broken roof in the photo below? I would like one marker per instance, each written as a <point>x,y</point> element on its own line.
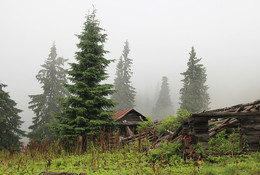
<point>239,110</point>
<point>252,107</point>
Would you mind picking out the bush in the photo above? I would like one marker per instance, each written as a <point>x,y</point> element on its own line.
<point>168,123</point>
<point>172,122</point>
<point>165,151</point>
<point>198,148</point>
<point>181,113</point>
<point>145,124</point>
<point>222,143</point>
<point>231,170</point>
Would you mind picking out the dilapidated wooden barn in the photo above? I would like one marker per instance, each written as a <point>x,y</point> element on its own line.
<point>128,120</point>
<point>245,116</point>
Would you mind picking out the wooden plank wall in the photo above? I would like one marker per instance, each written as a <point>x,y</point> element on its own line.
<point>250,130</point>
<point>195,130</point>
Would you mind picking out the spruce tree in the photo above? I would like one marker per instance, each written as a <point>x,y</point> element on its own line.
<point>163,105</point>
<point>52,77</point>
<point>125,93</point>
<point>10,122</point>
<point>194,96</point>
<point>86,109</point>
<point>118,85</point>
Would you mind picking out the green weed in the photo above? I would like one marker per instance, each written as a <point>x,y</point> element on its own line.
<point>98,157</point>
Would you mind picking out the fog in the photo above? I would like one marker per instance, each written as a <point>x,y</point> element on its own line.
<point>225,34</point>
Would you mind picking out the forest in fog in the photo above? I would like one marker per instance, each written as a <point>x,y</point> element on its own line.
<point>155,57</point>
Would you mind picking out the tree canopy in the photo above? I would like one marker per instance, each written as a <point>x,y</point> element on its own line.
<point>163,106</point>
<point>194,96</point>
<point>52,76</point>
<point>125,92</point>
<point>10,121</point>
<point>87,108</point>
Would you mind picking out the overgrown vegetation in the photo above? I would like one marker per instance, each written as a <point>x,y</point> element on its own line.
<point>97,157</point>
<point>222,143</point>
<point>145,124</point>
<point>167,151</point>
<point>171,122</point>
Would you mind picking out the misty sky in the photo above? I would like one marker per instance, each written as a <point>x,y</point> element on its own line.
<point>224,33</point>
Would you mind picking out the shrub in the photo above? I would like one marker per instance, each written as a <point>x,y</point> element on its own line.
<point>165,151</point>
<point>168,123</point>
<point>222,143</point>
<point>181,113</point>
<point>198,148</point>
<point>171,122</point>
<point>145,124</point>
<point>231,170</point>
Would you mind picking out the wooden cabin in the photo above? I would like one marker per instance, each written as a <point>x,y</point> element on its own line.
<point>244,116</point>
<point>128,120</point>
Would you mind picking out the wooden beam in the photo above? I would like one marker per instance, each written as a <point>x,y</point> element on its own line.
<point>226,114</point>
<point>129,123</point>
<point>129,131</point>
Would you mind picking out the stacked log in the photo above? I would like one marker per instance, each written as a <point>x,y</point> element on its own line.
<point>194,131</point>
<point>200,130</point>
<point>250,132</point>
<point>185,135</point>
<point>222,124</point>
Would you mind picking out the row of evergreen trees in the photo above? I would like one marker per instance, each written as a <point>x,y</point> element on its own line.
<point>194,96</point>
<point>82,106</point>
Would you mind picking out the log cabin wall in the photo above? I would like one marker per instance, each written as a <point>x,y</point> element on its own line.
<point>201,131</point>
<point>132,117</point>
<point>198,130</point>
<point>194,131</point>
<point>195,128</point>
<point>250,131</point>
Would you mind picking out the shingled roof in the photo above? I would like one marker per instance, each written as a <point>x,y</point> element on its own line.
<point>121,114</point>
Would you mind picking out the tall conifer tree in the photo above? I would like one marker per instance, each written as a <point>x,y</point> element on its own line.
<point>10,122</point>
<point>163,105</point>
<point>52,77</point>
<point>194,96</point>
<point>118,84</point>
<point>87,108</point>
<point>125,92</point>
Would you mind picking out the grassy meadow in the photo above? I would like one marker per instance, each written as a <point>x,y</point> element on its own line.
<point>97,157</point>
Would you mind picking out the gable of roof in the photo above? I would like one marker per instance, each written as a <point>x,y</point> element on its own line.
<point>120,114</point>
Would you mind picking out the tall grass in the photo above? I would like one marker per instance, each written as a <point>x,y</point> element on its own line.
<point>110,154</point>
